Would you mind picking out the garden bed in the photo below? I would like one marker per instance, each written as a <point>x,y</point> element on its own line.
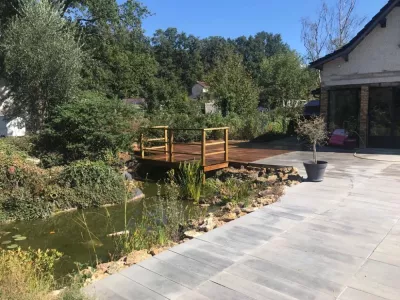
<point>231,194</point>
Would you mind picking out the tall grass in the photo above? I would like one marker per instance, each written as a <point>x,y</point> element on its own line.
<point>191,180</point>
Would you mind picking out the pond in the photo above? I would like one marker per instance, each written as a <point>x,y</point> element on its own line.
<point>64,233</point>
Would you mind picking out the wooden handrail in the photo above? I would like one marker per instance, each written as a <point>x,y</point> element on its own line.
<point>215,143</point>
<point>168,141</point>
<point>215,153</point>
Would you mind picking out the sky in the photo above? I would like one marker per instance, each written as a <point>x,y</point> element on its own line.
<point>233,18</point>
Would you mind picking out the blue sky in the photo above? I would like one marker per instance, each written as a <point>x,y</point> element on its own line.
<point>233,18</point>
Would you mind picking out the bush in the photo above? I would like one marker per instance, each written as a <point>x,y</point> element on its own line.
<point>240,127</point>
<point>27,274</point>
<point>28,192</point>
<point>94,184</point>
<point>88,129</point>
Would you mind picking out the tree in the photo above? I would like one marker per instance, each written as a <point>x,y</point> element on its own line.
<point>255,49</point>
<point>285,78</point>
<point>89,127</point>
<point>42,62</point>
<point>333,27</point>
<point>232,87</point>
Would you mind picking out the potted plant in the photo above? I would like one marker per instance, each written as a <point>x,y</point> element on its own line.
<point>314,131</point>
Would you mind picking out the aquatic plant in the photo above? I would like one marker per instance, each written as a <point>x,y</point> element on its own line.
<point>190,179</point>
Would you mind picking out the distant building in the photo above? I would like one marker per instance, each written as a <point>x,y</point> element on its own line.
<point>141,102</point>
<point>199,89</point>
<point>9,127</point>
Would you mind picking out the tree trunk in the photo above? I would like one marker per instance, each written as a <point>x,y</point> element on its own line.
<point>315,152</point>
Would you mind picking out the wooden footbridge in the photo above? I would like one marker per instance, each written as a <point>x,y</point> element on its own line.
<point>163,146</point>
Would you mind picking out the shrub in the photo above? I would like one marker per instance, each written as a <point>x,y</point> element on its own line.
<point>27,274</point>
<point>89,128</point>
<point>93,184</point>
<point>28,192</point>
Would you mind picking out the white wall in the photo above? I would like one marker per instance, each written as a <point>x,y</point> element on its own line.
<point>375,60</point>
<point>13,127</point>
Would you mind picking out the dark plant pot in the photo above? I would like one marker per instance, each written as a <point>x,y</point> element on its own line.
<point>315,172</point>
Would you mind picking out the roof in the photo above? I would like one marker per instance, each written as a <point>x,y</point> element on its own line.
<point>346,49</point>
<point>203,84</point>
<point>313,103</point>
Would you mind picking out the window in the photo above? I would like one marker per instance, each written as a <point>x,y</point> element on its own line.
<point>344,110</point>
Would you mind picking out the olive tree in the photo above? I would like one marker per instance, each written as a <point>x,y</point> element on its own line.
<point>42,62</point>
<point>314,131</point>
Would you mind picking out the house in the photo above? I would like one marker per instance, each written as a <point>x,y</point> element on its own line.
<point>199,89</point>
<point>360,87</point>
<point>140,102</point>
<point>8,127</point>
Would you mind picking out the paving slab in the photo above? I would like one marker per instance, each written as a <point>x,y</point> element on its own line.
<point>339,239</point>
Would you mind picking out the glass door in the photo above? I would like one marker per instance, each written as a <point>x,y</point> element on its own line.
<point>384,118</point>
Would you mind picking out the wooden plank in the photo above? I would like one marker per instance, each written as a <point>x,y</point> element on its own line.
<point>215,143</point>
<point>226,136</point>
<point>142,145</point>
<point>216,167</point>
<point>155,148</point>
<point>215,153</point>
<point>155,140</point>
<point>171,146</point>
<point>203,148</point>
<point>216,128</point>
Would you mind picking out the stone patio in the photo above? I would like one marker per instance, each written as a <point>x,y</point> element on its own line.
<point>339,239</point>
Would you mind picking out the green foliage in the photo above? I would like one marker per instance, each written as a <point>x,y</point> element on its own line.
<point>284,78</point>
<point>191,180</point>
<point>42,62</point>
<point>232,87</point>
<point>314,131</point>
<point>89,128</point>
<point>27,274</point>
<point>158,225</point>
<point>94,184</point>
<point>234,190</point>
<point>29,192</point>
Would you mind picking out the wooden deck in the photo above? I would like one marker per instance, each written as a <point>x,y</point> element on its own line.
<point>239,152</point>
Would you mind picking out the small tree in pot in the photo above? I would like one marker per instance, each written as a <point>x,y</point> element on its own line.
<point>314,131</point>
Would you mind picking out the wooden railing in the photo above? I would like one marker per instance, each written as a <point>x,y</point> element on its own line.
<point>168,143</point>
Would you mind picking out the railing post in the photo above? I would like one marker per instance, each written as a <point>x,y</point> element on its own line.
<point>226,135</point>
<point>166,140</point>
<point>203,148</point>
<point>171,145</point>
<point>142,145</point>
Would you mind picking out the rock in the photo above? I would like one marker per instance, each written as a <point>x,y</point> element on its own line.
<point>155,251</point>
<point>136,257</point>
<point>283,176</point>
<point>204,205</point>
<point>55,294</point>
<point>209,223</point>
<point>229,207</point>
<point>192,234</point>
<point>272,178</point>
<point>249,210</point>
<point>266,200</point>
<point>102,268</point>
<point>229,217</point>
<point>114,268</point>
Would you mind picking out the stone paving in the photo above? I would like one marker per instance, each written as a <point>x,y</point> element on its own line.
<point>339,239</point>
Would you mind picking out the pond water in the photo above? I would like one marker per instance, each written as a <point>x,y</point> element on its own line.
<point>63,232</point>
